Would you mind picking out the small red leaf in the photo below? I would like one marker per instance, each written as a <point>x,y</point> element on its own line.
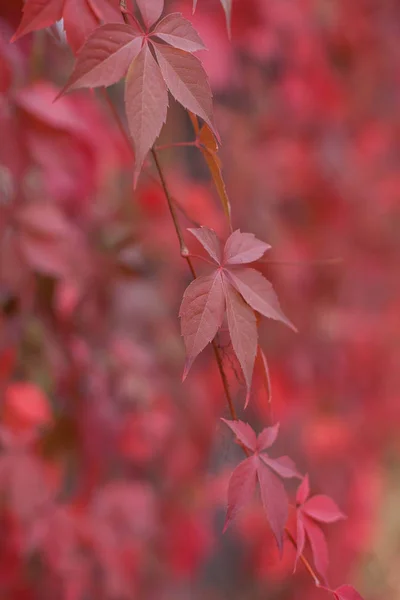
<point>242,327</point>
<point>209,240</point>
<point>150,10</point>
<point>274,499</point>
<point>300,539</point>
<point>283,466</point>
<point>201,313</point>
<point>323,508</point>
<point>347,592</point>
<point>267,437</point>
<point>179,33</point>
<point>303,491</point>
<point>105,57</point>
<point>241,488</point>
<point>244,433</point>
<point>146,103</point>
<point>258,293</point>
<point>318,544</point>
<point>39,14</point>
<point>243,248</point>
<point>187,81</point>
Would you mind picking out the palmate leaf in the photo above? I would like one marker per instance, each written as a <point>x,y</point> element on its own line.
<point>118,50</point>
<point>268,472</point>
<point>241,291</point>
<point>310,513</point>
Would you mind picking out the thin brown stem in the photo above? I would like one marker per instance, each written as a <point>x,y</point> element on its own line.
<point>176,145</point>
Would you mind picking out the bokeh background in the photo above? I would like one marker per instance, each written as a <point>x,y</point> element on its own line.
<point>113,474</point>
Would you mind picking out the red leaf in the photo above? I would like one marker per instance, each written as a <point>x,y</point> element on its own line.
<point>178,32</point>
<point>150,10</point>
<point>146,103</point>
<point>323,508</point>
<point>208,147</point>
<point>347,592</point>
<point>274,499</point>
<point>303,491</point>
<point>187,81</point>
<point>244,433</point>
<point>243,248</point>
<point>300,540</point>
<point>210,242</point>
<point>241,487</point>
<point>105,57</point>
<point>258,293</point>
<point>227,6</point>
<point>39,14</point>
<point>80,17</point>
<point>242,327</point>
<point>283,466</point>
<point>201,312</point>
<point>267,437</point>
<point>318,544</point>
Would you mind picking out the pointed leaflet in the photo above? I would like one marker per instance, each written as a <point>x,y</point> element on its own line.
<point>209,240</point>
<point>275,501</point>
<point>241,487</point>
<point>80,17</point>
<point>319,547</point>
<point>262,361</point>
<point>267,437</point>
<point>208,147</point>
<point>284,466</point>
<point>201,313</point>
<point>258,293</point>
<point>105,57</point>
<point>347,592</point>
<point>323,509</point>
<point>244,433</point>
<point>242,327</point>
<point>186,80</point>
<point>150,10</point>
<point>146,103</point>
<point>178,32</point>
<point>303,491</point>
<point>38,14</point>
<point>300,540</point>
<point>243,248</point>
<point>227,6</point>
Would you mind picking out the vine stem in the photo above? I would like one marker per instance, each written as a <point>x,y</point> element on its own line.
<point>185,254</point>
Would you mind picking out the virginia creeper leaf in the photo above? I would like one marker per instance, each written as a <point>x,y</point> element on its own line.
<point>323,509</point>
<point>146,102</point>
<point>179,33</point>
<point>209,240</point>
<point>243,248</point>
<point>208,147</point>
<point>258,293</point>
<point>201,312</point>
<point>347,592</point>
<point>187,81</point>
<point>303,491</point>
<point>242,485</point>
<point>283,466</point>
<point>150,10</point>
<point>80,17</point>
<point>105,57</point>
<point>273,494</point>
<point>240,299</point>
<point>275,502</point>
<point>267,437</point>
<point>319,546</point>
<point>244,433</point>
<point>242,327</point>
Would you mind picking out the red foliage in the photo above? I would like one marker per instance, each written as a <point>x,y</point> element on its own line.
<point>113,473</point>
